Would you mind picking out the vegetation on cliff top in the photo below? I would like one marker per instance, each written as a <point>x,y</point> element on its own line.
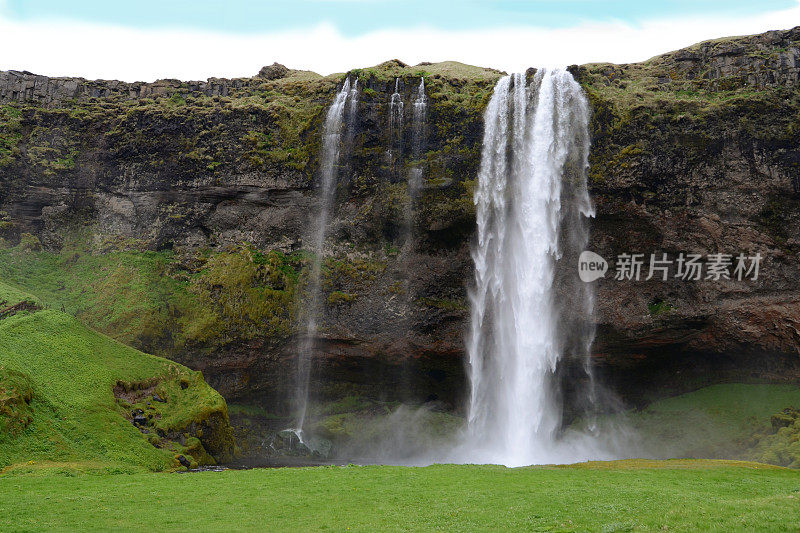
<point>686,106</point>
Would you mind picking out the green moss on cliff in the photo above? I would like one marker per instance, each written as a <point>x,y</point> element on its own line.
<point>243,293</point>
<point>780,443</point>
<point>444,304</point>
<point>457,95</point>
<point>345,270</point>
<point>160,301</point>
<point>448,213</point>
<point>728,420</point>
<point>10,133</point>
<point>686,107</point>
<point>262,123</point>
<point>16,395</point>
<point>340,298</point>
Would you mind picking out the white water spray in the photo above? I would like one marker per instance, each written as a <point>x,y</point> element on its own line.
<point>531,204</point>
<point>331,151</point>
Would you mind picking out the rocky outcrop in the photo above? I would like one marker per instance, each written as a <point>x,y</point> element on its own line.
<point>24,86</point>
<point>169,414</point>
<point>761,61</point>
<point>16,395</point>
<point>767,60</point>
<point>695,151</point>
<point>274,71</point>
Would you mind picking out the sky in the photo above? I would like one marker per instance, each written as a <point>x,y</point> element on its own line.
<point>195,39</point>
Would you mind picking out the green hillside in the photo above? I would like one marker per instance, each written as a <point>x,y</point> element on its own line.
<point>68,394</point>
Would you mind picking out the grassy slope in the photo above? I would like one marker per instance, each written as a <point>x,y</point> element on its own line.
<point>73,371</point>
<point>153,301</point>
<point>129,287</point>
<point>600,497</point>
<point>717,421</point>
<point>11,296</point>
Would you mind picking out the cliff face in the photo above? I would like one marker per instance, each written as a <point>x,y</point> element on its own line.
<point>697,151</point>
<point>210,185</point>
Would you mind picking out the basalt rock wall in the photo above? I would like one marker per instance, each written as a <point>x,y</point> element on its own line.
<point>695,151</point>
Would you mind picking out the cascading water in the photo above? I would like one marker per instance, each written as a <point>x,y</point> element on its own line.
<point>331,151</point>
<point>532,207</point>
<point>414,186</point>
<point>395,152</point>
<point>352,98</point>
<point>417,140</point>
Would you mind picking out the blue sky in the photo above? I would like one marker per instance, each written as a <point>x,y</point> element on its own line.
<point>145,40</point>
<point>357,17</point>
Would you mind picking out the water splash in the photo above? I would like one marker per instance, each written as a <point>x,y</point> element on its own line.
<point>331,151</point>
<point>532,207</point>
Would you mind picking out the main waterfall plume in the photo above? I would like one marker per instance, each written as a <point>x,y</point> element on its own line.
<point>331,151</point>
<point>532,209</point>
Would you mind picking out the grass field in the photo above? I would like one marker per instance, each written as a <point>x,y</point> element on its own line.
<point>620,496</point>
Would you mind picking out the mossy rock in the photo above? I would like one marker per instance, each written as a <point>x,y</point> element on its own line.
<point>781,446</point>
<point>341,298</point>
<point>176,413</point>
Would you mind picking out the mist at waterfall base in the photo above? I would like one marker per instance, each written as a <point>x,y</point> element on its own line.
<point>532,324</point>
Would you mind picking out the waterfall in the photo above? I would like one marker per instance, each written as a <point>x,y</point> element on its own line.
<point>417,140</point>
<point>532,207</point>
<point>352,98</point>
<point>414,186</point>
<point>331,151</point>
<point>395,151</point>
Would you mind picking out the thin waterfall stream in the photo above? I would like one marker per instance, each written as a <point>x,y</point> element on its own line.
<point>331,153</point>
<point>395,151</point>
<point>415,172</point>
<point>417,141</point>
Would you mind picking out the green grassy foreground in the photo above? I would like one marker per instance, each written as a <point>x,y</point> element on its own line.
<point>620,496</point>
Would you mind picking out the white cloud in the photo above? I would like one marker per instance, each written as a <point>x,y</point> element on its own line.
<point>66,48</point>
